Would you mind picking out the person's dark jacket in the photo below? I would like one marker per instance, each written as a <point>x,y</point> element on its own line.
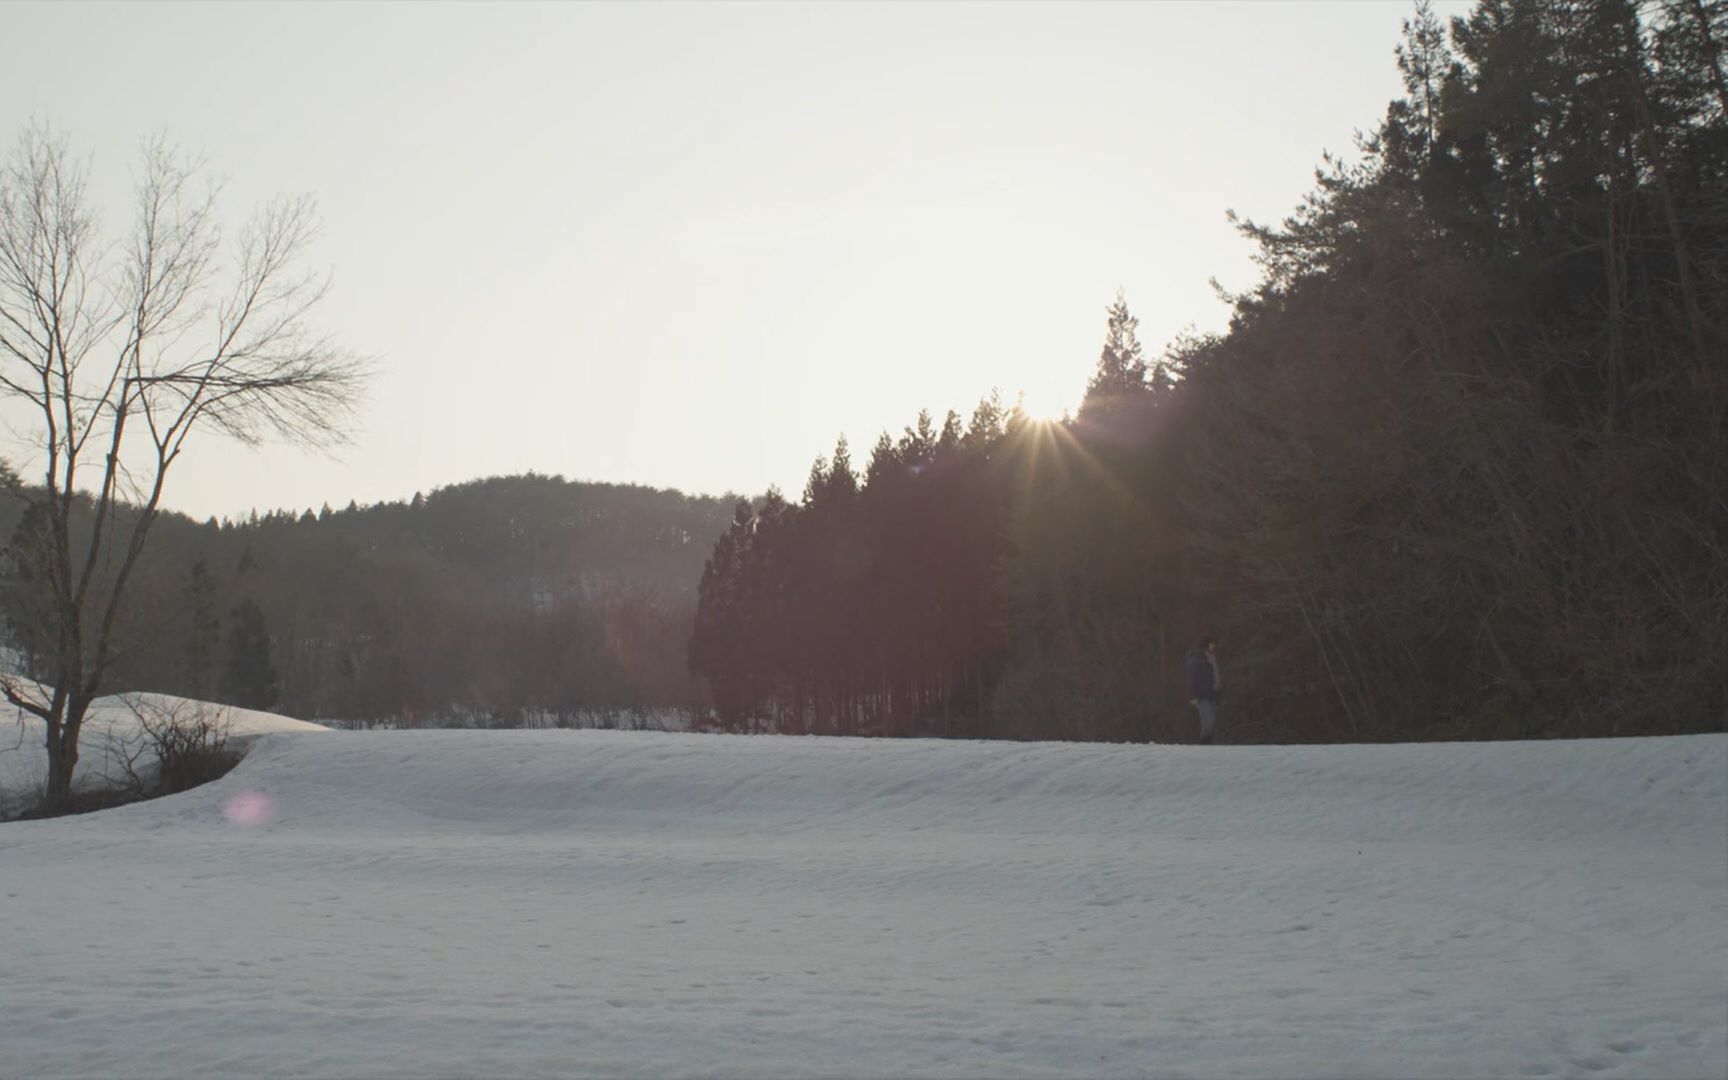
<point>1202,679</point>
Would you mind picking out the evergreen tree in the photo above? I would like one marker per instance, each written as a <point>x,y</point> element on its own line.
<point>25,599</point>
<point>1121,371</point>
<point>948,442</point>
<point>816,484</point>
<point>918,442</point>
<point>884,461</point>
<point>203,632</point>
<point>1425,62</point>
<point>987,421</point>
<point>249,679</point>
<point>842,479</point>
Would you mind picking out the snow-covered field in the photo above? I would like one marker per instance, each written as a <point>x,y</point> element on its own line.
<point>598,903</point>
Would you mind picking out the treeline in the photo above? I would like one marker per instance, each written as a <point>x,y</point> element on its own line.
<point>868,607</point>
<point>1456,470</point>
<point>487,602</point>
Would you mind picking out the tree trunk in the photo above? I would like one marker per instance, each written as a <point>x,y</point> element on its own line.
<point>1614,258</point>
<point>63,753</point>
<point>1711,53</point>
<point>1676,234</point>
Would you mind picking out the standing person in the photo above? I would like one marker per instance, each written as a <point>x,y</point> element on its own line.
<point>1203,684</point>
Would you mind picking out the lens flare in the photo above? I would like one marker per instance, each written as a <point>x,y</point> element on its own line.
<point>248,808</point>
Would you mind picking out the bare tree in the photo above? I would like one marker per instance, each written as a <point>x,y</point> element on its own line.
<point>117,352</point>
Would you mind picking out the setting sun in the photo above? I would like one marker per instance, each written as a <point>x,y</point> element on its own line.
<point>1043,403</point>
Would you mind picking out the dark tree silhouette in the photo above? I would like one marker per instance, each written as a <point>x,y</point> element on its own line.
<point>1455,470</point>
<point>249,677</point>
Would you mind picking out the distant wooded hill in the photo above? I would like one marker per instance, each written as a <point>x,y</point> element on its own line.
<point>487,600</point>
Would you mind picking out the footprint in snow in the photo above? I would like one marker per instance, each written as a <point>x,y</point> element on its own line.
<point>1595,1063</point>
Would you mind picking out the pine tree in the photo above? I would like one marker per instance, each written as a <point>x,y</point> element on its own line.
<point>816,484</point>
<point>918,443</point>
<point>948,443</point>
<point>884,462</point>
<point>1121,371</point>
<point>24,589</point>
<point>249,680</point>
<point>842,478</point>
<point>987,421</point>
<point>1424,61</point>
<point>204,631</point>
<point>717,644</point>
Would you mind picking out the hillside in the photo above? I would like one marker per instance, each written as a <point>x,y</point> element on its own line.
<point>489,599</point>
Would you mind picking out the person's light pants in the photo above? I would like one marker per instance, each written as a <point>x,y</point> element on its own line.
<point>1208,711</point>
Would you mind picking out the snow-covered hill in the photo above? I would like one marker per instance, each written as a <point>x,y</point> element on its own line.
<point>113,736</point>
<point>595,903</point>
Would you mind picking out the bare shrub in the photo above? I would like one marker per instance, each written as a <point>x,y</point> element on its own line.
<point>181,744</point>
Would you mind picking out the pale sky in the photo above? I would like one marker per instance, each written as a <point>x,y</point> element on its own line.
<point>687,245</point>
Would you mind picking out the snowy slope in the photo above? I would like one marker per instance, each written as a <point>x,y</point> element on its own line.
<point>594,903</point>
<point>111,734</point>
